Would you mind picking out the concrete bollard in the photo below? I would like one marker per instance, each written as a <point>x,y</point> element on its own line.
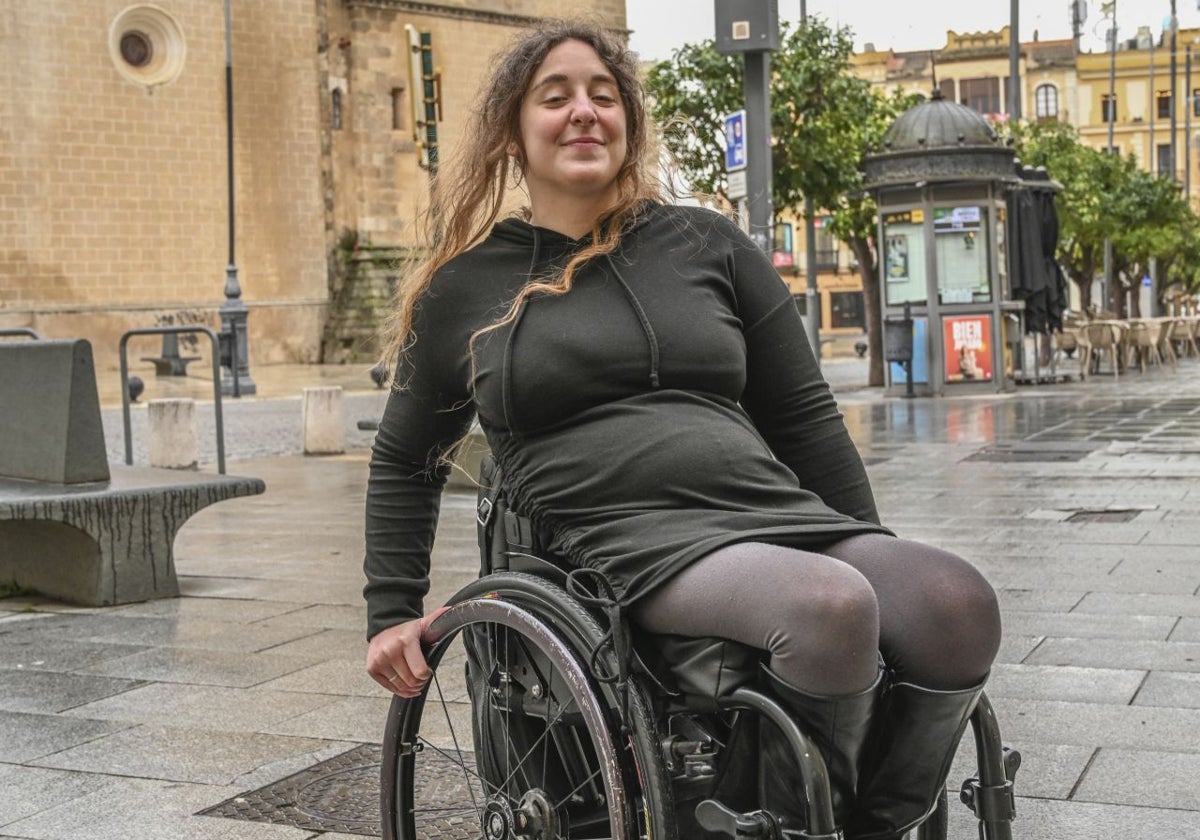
<point>324,421</point>
<point>172,433</point>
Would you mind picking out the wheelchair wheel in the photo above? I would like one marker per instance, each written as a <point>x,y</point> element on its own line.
<point>514,738</point>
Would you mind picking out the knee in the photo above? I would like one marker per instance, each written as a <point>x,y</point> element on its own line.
<point>843,606</point>
<point>964,595</point>
<point>958,603</point>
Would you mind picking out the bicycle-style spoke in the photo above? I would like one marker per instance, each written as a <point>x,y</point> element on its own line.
<point>541,739</point>
<point>445,812</point>
<point>576,789</point>
<point>454,737</point>
<point>468,773</point>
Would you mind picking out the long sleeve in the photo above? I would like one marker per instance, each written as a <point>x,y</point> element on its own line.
<point>429,414</point>
<point>786,396</point>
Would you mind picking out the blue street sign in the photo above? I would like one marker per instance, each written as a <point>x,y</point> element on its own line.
<point>735,141</point>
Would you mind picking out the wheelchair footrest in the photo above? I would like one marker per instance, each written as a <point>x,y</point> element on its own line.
<point>718,819</point>
<point>756,825</point>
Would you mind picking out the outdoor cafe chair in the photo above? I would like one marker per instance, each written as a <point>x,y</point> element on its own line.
<point>1071,340</point>
<point>1104,338</point>
<point>1182,333</point>
<point>1163,341</point>
<point>1141,341</point>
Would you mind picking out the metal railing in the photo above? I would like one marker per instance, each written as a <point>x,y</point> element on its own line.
<point>26,331</point>
<point>216,368</point>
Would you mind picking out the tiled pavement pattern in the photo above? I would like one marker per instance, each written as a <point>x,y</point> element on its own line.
<point>127,722</point>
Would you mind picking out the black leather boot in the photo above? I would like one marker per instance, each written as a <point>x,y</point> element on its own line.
<point>916,734</point>
<point>839,726</point>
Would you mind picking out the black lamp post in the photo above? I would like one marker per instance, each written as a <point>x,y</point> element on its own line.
<point>235,353</point>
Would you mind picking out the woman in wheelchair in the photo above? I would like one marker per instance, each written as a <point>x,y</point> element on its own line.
<point>646,387</point>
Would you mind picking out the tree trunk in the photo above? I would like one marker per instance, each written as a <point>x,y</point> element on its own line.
<point>868,270</point>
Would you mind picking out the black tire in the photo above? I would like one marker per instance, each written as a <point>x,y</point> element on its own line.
<point>549,760</point>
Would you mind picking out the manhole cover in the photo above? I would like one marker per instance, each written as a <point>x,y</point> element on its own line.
<point>342,795</point>
<point>339,794</point>
<point>1032,451</point>
<point>1103,516</point>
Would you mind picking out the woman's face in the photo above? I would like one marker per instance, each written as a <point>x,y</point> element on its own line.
<point>572,126</point>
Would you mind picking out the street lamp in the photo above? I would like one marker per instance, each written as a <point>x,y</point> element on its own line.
<point>235,350</point>
<point>1111,9</point>
<point>812,292</point>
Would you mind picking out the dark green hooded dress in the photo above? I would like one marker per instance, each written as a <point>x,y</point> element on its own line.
<point>668,405</point>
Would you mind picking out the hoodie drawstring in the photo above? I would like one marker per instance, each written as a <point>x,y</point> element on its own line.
<point>506,379</point>
<point>651,339</point>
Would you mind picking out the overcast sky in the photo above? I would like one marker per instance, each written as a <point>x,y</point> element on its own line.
<point>661,25</point>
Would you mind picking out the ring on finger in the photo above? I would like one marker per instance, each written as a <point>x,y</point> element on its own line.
<point>393,678</point>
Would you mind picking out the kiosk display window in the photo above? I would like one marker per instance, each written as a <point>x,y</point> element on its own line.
<point>967,348</point>
<point>961,238</point>
<point>904,263</point>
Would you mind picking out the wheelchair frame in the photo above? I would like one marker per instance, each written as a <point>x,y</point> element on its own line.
<point>628,720</point>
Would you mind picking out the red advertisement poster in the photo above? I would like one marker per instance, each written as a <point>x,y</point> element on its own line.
<point>968,348</point>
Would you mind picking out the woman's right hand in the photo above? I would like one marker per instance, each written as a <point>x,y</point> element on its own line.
<point>395,659</point>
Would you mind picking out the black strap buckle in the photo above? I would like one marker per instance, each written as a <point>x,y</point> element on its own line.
<point>483,514</point>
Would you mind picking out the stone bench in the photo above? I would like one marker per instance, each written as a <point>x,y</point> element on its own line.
<point>71,526</point>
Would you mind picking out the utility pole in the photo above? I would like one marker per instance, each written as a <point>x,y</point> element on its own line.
<point>1187,126</point>
<point>1174,93</point>
<point>1014,61</point>
<point>1154,167</point>
<point>1106,287</point>
<point>1077,19</point>
<point>812,293</point>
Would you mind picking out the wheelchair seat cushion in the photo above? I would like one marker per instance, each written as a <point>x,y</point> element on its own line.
<point>697,671</point>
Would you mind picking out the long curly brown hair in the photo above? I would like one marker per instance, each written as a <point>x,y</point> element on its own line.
<point>469,189</point>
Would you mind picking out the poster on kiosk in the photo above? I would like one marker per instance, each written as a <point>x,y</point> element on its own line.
<point>968,351</point>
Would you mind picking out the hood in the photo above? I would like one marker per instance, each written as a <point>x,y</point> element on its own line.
<point>547,247</point>
<point>520,232</point>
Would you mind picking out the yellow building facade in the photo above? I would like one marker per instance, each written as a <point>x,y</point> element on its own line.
<point>1137,79</point>
<point>113,162</point>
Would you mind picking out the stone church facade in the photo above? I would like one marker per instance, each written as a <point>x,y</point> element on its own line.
<point>114,209</point>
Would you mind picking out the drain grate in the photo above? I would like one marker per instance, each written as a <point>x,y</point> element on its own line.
<point>1056,451</point>
<point>1103,516</point>
<point>342,795</point>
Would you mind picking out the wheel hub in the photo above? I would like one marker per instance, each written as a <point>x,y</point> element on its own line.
<point>498,820</point>
<point>535,818</point>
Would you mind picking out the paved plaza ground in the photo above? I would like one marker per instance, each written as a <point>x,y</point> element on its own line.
<point>1079,501</point>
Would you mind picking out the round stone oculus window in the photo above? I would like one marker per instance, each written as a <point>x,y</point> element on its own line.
<point>146,45</point>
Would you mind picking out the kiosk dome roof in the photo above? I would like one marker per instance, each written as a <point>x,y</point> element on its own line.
<point>938,123</point>
<point>939,142</point>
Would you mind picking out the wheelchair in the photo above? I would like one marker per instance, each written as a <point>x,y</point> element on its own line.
<point>545,719</point>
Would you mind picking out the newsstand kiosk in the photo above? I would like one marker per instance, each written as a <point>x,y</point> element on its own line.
<point>941,184</point>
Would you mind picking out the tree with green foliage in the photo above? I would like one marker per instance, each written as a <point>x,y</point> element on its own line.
<point>823,121</point>
<point>1150,216</point>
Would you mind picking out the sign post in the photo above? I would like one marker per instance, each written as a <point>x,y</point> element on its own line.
<point>735,162</point>
<point>751,28</point>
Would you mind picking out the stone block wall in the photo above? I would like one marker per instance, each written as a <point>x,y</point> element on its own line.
<point>113,196</point>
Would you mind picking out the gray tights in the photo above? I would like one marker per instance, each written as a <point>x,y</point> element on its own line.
<point>822,617</point>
